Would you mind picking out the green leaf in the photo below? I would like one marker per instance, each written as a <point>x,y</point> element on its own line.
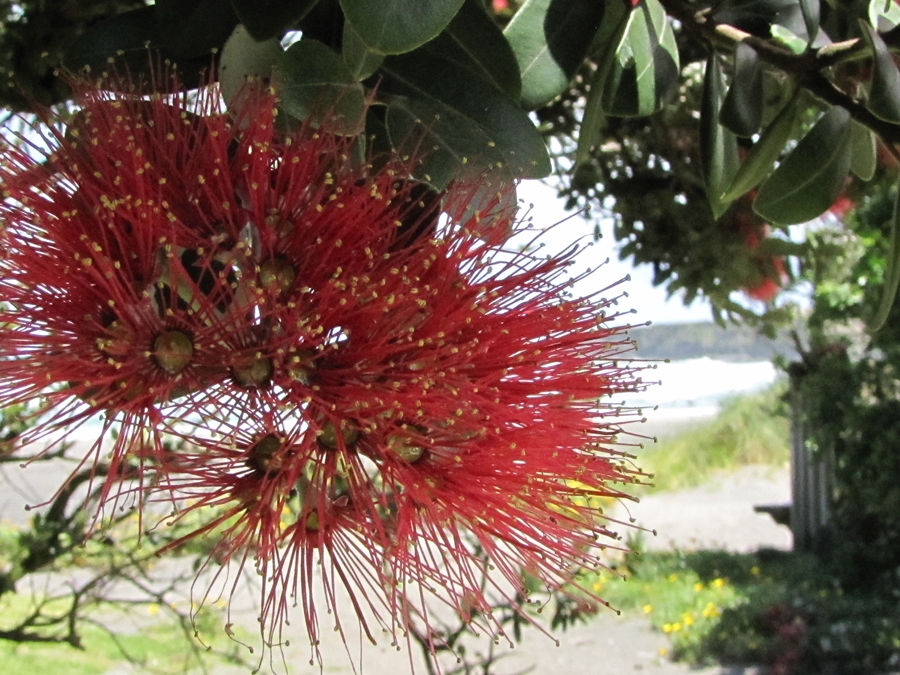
<point>791,40</point>
<point>809,179</point>
<point>316,84</point>
<point>441,141</point>
<point>126,40</point>
<point>192,28</point>
<point>123,35</point>
<point>892,273</point>
<point>645,68</point>
<point>718,145</point>
<point>884,14</point>
<point>473,41</point>
<point>742,109</point>
<point>864,156</point>
<point>399,26</point>
<point>244,59</point>
<point>884,92</point>
<point>361,61</point>
<point>811,12</point>
<point>592,122</point>
<point>466,119</point>
<point>761,158</point>
<point>551,39</point>
<point>266,19</point>
<point>605,41</point>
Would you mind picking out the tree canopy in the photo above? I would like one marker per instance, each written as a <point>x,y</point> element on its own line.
<point>704,128</point>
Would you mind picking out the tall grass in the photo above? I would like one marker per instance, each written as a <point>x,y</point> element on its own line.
<point>751,429</point>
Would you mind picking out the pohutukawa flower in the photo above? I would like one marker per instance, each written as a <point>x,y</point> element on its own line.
<point>365,374</point>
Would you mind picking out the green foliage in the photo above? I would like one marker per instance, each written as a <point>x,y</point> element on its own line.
<point>769,608</point>
<point>884,93</point>
<point>742,109</point>
<point>812,176</point>
<point>312,73</point>
<point>192,29</point>
<point>718,144</point>
<point>155,643</point>
<point>551,39</point>
<point>750,430</point>
<point>399,26</point>
<point>850,387</point>
<point>642,73</point>
<point>265,19</point>
<point>762,156</point>
<point>456,89</point>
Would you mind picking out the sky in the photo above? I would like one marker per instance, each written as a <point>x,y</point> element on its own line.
<point>651,303</point>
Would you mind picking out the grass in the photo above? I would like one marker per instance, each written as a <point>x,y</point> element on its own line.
<point>751,429</point>
<point>774,608</point>
<point>783,610</point>
<point>160,646</point>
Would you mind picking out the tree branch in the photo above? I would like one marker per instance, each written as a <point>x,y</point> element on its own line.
<point>807,69</point>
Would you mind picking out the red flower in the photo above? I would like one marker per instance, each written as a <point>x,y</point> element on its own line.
<point>364,374</point>
<point>841,207</point>
<point>767,273</point>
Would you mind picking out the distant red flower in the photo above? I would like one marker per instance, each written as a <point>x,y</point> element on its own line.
<point>768,274</point>
<point>841,207</point>
<point>365,374</point>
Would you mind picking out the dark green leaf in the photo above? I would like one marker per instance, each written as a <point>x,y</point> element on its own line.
<point>379,142</point>
<point>325,23</point>
<point>644,72</point>
<point>473,41</point>
<point>469,120</point>
<point>796,43</point>
<point>359,59</point>
<point>863,157</point>
<point>315,83</point>
<point>742,109</point>
<point>761,158</point>
<point>122,35</point>
<point>810,10</point>
<point>718,145</point>
<point>590,131</point>
<point>192,28</point>
<point>884,14</point>
<point>244,59</point>
<point>884,92</point>
<point>399,26</point>
<point>756,16</point>
<point>442,140</point>
<point>809,179</point>
<point>124,41</point>
<point>605,41</point>
<point>892,273</point>
<point>551,39</point>
<point>266,19</point>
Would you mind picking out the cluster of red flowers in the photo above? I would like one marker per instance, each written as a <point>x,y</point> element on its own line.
<point>767,274</point>
<point>369,384</point>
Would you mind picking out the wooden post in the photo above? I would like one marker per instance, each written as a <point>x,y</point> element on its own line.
<point>811,483</point>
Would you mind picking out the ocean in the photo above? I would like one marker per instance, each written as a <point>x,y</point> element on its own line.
<point>698,387</point>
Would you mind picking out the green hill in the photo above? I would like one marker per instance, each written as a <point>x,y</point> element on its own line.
<point>695,340</point>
